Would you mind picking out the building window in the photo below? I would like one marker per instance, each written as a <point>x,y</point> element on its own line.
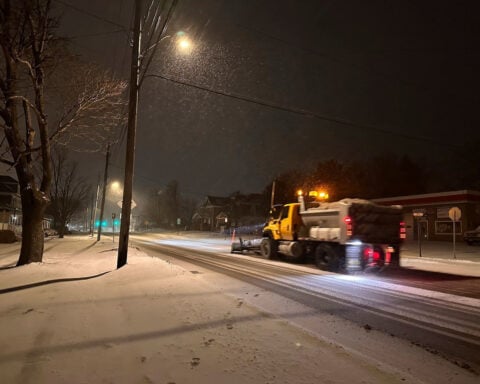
<point>446,227</point>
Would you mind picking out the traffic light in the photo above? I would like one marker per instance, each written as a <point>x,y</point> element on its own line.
<point>97,223</point>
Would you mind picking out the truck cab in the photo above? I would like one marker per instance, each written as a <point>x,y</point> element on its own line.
<point>284,223</point>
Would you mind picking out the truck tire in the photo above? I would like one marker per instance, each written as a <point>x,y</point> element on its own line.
<point>268,248</point>
<point>328,259</point>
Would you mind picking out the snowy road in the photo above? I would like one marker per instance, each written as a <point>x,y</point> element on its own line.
<point>440,323</point>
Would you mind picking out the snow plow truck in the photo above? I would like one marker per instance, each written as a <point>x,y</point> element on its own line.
<point>343,236</point>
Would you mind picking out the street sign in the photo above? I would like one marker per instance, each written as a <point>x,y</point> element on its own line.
<point>454,213</point>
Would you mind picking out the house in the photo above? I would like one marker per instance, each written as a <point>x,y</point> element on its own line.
<point>427,216</point>
<point>221,213</point>
<point>10,204</point>
<point>210,213</point>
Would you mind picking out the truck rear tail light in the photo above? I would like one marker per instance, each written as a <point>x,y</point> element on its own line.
<point>371,254</point>
<point>388,254</point>
<point>403,230</point>
<point>349,226</point>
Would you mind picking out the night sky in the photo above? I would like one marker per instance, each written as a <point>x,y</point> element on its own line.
<point>344,79</point>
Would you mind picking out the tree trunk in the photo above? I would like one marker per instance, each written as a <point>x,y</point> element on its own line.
<point>61,229</point>
<point>33,206</point>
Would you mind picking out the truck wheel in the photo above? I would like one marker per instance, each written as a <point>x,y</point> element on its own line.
<point>268,248</point>
<point>327,258</point>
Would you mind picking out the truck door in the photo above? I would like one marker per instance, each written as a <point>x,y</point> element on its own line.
<point>286,231</point>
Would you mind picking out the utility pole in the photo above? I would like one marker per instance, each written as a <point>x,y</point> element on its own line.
<point>130,146</point>
<point>94,208</point>
<point>104,191</point>
<point>272,196</point>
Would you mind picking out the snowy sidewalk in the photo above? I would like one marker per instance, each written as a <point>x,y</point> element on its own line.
<point>442,250</point>
<point>438,256</point>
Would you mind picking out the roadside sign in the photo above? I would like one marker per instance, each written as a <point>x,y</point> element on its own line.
<point>454,213</point>
<point>419,212</point>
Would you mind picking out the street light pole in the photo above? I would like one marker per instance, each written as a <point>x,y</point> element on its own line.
<point>130,146</point>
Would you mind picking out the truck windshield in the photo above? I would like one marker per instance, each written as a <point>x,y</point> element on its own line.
<point>275,212</point>
<point>284,213</point>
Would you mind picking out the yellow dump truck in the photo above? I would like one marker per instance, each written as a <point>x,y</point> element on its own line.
<point>346,235</point>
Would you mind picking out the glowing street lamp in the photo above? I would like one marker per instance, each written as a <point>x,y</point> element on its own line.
<point>115,185</point>
<point>116,188</point>
<point>184,44</point>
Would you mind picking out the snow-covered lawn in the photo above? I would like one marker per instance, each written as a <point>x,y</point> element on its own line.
<point>75,318</point>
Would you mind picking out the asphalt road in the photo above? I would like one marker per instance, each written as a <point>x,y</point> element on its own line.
<point>442,324</point>
<point>435,281</point>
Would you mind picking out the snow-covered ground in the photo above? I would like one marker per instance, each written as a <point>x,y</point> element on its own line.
<point>438,256</point>
<point>75,318</point>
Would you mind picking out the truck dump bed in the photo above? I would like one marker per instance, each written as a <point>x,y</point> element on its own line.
<point>370,222</point>
<point>374,223</point>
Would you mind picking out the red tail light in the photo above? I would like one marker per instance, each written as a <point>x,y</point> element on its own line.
<point>349,225</point>
<point>371,254</point>
<point>403,230</point>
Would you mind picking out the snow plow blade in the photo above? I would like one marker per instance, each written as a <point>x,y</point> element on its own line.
<point>246,245</point>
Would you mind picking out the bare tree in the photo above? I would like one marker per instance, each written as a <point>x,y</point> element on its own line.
<point>29,49</point>
<point>70,192</point>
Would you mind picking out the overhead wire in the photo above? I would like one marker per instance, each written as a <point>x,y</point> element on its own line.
<point>159,38</point>
<point>114,147</point>
<point>91,14</point>
<point>94,34</point>
<point>123,132</point>
<point>370,70</point>
<point>109,21</point>
<point>298,111</point>
<point>153,19</point>
<point>150,31</point>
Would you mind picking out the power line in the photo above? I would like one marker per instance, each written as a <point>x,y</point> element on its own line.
<point>349,63</point>
<point>155,24</point>
<point>91,14</point>
<point>94,34</point>
<point>303,112</point>
<point>123,132</point>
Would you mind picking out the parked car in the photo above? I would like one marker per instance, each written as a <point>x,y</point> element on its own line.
<point>472,237</point>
